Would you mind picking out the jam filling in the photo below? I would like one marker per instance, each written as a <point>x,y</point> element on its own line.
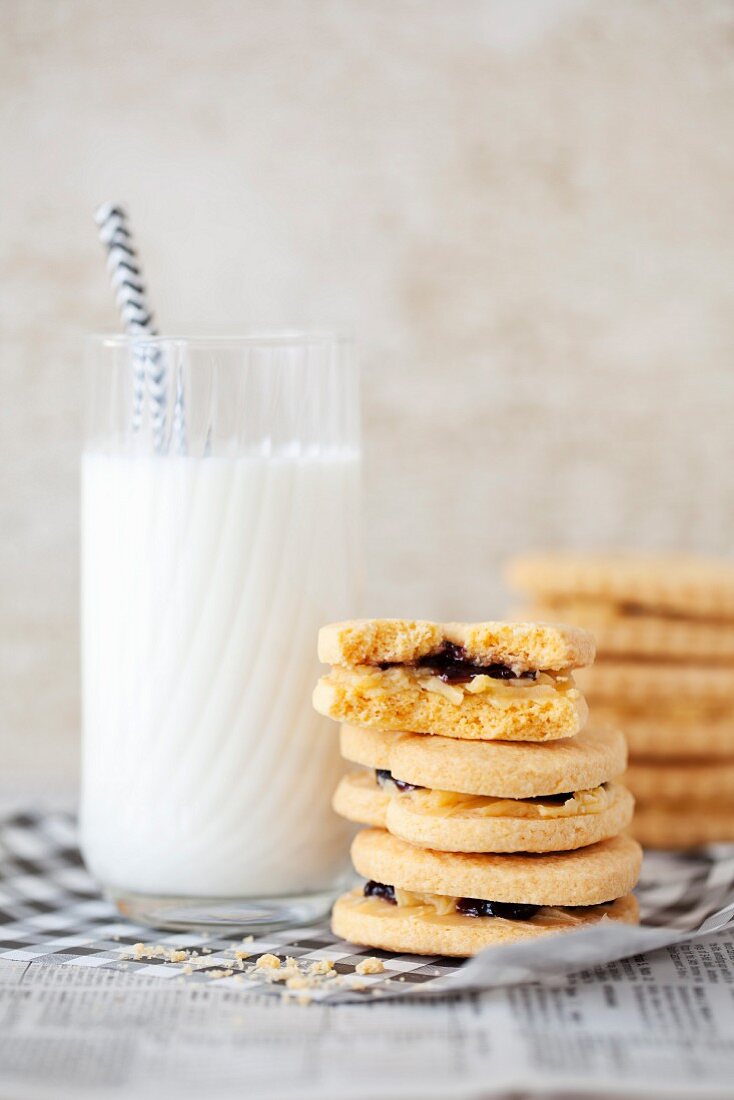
<point>469,907</point>
<point>477,907</point>
<point>385,777</point>
<point>557,799</point>
<point>374,889</point>
<point>451,665</point>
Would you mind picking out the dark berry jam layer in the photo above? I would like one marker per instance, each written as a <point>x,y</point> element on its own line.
<point>453,667</point>
<point>477,907</point>
<point>385,778</point>
<point>471,907</point>
<point>557,799</point>
<point>374,889</point>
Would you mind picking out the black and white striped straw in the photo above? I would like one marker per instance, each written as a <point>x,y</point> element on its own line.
<point>136,315</point>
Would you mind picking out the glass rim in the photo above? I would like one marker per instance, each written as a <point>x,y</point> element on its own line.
<point>267,338</point>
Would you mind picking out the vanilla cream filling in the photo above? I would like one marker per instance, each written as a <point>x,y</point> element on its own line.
<point>438,803</point>
<point>431,906</point>
<point>376,683</point>
<point>442,904</point>
<point>451,804</point>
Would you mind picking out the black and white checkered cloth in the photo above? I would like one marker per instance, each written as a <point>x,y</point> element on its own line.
<point>51,911</point>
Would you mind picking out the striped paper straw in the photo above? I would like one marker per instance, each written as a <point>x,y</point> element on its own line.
<point>137,320</point>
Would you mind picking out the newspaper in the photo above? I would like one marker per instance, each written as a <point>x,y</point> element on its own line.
<point>87,1012</point>
<point>657,1025</point>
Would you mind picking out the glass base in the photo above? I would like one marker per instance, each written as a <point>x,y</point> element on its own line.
<point>225,915</point>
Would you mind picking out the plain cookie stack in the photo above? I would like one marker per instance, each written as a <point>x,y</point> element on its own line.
<point>665,675</point>
<point>496,818</point>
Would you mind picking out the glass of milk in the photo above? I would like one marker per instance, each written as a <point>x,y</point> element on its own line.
<point>220,502</point>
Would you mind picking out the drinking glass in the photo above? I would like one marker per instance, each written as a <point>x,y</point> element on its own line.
<point>220,502</point>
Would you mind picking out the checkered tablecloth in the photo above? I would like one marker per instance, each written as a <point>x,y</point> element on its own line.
<point>52,910</point>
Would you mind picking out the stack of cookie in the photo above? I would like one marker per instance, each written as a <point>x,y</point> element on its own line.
<point>492,817</point>
<point>665,675</point>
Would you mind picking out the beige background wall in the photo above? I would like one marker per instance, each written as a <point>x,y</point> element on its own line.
<point>523,208</point>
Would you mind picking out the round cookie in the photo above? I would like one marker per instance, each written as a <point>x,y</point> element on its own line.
<point>375,923</point>
<point>677,783</point>
<point>585,876</point>
<point>675,584</point>
<point>671,732</point>
<point>685,826</point>
<point>652,682</point>
<point>359,798</point>
<point>505,769</point>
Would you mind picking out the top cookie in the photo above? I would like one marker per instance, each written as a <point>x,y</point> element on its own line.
<point>505,769</point>
<point>697,587</point>
<point>519,646</point>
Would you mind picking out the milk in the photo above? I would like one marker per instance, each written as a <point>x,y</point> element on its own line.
<point>206,771</point>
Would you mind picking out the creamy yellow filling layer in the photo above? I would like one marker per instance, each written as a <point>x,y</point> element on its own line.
<point>432,906</point>
<point>375,683</point>
<point>450,804</point>
<point>439,902</point>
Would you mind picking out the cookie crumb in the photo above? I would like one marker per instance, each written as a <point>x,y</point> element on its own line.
<point>370,965</point>
<point>321,966</point>
<point>268,962</point>
<point>157,951</point>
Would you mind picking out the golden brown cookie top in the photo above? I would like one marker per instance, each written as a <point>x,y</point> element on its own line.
<point>585,876</point>
<point>520,646</point>
<point>505,769</point>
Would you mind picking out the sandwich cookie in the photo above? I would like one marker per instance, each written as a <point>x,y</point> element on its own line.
<point>687,825</point>
<point>708,783</point>
<point>642,683</point>
<point>490,796</point>
<point>669,585</point>
<point>680,731</point>
<point>436,903</point>
<point>682,803</point>
<point>621,632</point>
<point>475,681</point>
